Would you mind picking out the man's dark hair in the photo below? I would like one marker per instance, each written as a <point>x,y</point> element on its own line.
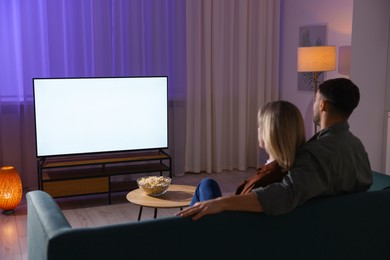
<point>342,93</point>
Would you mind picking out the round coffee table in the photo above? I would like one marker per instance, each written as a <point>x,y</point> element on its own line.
<point>177,196</point>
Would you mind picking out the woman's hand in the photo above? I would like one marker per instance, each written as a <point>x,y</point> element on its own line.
<point>200,209</point>
<point>245,202</point>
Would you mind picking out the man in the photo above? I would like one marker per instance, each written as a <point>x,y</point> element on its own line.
<point>332,162</point>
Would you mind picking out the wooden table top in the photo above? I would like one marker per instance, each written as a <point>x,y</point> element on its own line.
<point>176,196</point>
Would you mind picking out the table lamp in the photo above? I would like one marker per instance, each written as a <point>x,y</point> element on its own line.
<point>316,59</point>
<point>10,189</point>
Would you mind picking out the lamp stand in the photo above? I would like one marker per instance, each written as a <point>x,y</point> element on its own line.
<point>315,81</point>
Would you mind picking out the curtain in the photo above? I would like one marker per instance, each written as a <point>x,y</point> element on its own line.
<point>221,58</point>
<point>232,69</point>
<point>84,38</point>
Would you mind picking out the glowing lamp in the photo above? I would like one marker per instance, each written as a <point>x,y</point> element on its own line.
<point>10,189</point>
<point>316,59</point>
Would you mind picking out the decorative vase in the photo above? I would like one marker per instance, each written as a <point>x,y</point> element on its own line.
<point>10,189</point>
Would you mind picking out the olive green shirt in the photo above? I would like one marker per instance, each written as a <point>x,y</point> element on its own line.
<point>332,162</point>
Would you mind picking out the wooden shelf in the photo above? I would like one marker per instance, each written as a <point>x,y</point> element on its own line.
<point>88,160</point>
<point>123,186</point>
<point>72,176</point>
<point>102,172</point>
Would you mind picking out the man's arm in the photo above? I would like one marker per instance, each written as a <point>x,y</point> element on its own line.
<point>245,202</point>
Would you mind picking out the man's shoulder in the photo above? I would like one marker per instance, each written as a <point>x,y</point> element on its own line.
<point>327,149</point>
<point>336,137</point>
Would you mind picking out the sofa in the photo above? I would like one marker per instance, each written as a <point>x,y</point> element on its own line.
<point>353,226</point>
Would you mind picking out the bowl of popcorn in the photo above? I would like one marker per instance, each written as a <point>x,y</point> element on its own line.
<point>154,185</point>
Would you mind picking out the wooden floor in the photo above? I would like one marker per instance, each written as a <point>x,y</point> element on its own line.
<point>93,210</point>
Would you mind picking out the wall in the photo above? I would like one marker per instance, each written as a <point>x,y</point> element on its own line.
<point>369,32</point>
<point>369,70</point>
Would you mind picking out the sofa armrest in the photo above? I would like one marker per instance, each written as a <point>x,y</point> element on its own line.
<point>44,220</point>
<point>380,181</point>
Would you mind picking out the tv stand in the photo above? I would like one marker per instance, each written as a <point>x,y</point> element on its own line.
<point>93,174</point>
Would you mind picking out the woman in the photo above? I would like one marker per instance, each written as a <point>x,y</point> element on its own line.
<point>281,133</point>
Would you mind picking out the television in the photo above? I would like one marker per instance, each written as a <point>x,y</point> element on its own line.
<point>78,116</point>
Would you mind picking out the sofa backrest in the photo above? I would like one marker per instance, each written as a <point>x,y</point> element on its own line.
<point>353,226</point>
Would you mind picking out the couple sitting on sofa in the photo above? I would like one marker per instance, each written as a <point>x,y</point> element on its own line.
<point>332,162</point>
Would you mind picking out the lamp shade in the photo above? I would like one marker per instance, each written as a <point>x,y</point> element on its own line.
<point>10,189</point>
<point>316,58</point>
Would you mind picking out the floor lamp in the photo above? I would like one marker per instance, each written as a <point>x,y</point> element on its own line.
<point>316,59</point>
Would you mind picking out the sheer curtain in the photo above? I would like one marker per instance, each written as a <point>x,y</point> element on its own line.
<point>229,46</point>
<point>77,38</point>
<point>232,69</point>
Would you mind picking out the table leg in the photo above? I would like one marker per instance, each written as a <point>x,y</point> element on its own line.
<point>155,212</point>
<point>140,213</point>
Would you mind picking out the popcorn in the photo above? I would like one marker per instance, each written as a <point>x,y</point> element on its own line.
<point>154,185</point>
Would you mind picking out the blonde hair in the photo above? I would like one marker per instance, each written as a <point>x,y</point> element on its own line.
<point>282,129</point>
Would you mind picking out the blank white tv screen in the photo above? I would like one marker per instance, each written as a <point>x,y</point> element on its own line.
<point>97,115</point>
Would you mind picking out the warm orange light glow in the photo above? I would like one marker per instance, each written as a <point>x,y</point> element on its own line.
<point>316,58</point>
<point>9,230</point>
<point>10,188</point>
